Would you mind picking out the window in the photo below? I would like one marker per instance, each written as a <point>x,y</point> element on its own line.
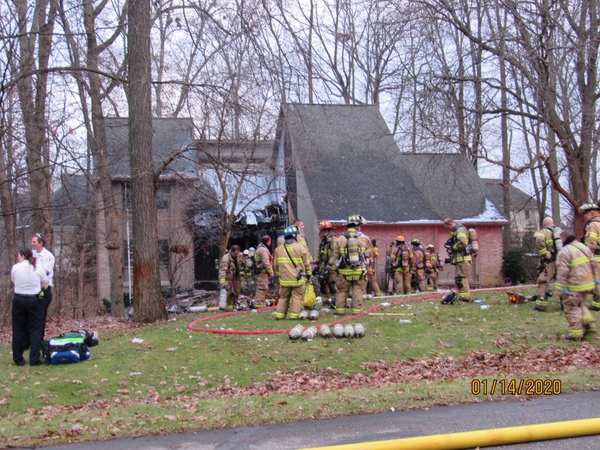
<point>163,196</point>
<point>163,252</point>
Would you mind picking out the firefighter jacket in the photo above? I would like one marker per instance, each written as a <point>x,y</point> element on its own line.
<point>263,259</point>
<point>576,268</point>
<point>373,253</point>
<point>544,242</point>
<point>229,268</point>
<point>460,240</point>
<point>436,261</point>
<point>401,259</point>
<point>592,236</point>
<point>419,260</point>
<point>292,263</point>
<point>326,249</point>
<point>341,259</point>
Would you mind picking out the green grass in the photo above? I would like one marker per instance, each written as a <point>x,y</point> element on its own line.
<point>176,378</point>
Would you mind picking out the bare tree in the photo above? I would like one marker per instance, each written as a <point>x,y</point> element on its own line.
<point>147,297</point>
<point>36,26</point>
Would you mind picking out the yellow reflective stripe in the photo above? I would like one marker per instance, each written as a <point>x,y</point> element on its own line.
<point>579,261</point>
<point>285,259</point>
<point>558,285</point>
<point>581,287</point>
<point>292,282</point>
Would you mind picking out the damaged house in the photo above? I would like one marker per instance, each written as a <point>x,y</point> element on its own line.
<point>327,162</point>
<point>342,160</point>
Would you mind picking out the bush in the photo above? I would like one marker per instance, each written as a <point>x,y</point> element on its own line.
<point>513,266</point>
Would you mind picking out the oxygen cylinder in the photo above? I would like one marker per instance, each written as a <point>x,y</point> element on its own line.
<point>404,257</point>
<point>223,299</point>
<point>359,330</point>
<point>473,246</point>
<point>325,331</point>
<point>556,236</point>
<point>303,315</point>
<point>296,332</point>
<point>338,330</point>
<point>313,315</point>
<point>309,333</point>
<point>349,331</point>
<point>428,264</point>
<point>250,259</point>
<point>353,256</point>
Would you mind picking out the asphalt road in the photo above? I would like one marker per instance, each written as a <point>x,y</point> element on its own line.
<point>385,426</point>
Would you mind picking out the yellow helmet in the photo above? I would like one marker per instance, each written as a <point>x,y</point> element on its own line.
<point>587,207</point>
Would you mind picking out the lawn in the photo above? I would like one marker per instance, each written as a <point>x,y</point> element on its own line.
<point>177,379</point>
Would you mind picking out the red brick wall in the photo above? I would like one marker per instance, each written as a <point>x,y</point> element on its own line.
<point>487,269</point>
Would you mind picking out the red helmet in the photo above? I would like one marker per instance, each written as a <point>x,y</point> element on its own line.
<point>515,298</point>
<point>325,225</point>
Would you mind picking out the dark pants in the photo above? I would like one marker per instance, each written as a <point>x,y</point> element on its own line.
<point>47,299</point>
<point>28,313</point>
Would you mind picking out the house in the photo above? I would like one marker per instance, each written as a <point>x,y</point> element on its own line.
<point>524,211</point>
<point>172,141</point>
<point>341,160</point>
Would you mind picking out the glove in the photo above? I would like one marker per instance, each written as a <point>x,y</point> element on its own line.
<point>597,281</point>
<point>564,291</point>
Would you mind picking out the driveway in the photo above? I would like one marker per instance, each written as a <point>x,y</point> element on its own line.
<point>377,427</point>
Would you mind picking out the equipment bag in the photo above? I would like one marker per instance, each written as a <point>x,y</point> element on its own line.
<point>70,347</point>
<point>310,297</point>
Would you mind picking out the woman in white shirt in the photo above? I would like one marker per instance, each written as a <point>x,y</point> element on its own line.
<point>27,309</point>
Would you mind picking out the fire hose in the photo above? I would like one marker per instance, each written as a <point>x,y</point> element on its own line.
<point>193,326</point>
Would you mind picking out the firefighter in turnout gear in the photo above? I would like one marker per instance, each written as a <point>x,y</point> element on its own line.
<point>591,238</point>
<point>350,260</point>
<point>420,265</point>
<point>263,270</point>
<point>293,267</point>
<point>401,260</point>
<point>229,275</point>
<point>433,272</point>
<point>456,247</point>
<point>372,271</point>
<point>547,250</point>
<point>576,275</point>
<point>327,277</point>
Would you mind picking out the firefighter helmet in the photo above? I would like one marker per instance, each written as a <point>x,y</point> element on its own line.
<point>354,221</point>
<point>400,238</point>
<point>325,225</point>
<point>415,241</point>
<point>290,231</point>
<point>430,246</point>
<point>587,207</point>
<point>516,298</point>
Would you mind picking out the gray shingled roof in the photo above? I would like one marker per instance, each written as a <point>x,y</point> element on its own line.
<point>170,136</point>
<point>352,165</point>
<point>519,199</point>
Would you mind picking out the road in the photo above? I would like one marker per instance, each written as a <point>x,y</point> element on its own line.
<point>385,426</point>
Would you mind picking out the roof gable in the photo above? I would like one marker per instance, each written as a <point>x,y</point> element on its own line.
<point>171,137</point>
<point>352,165</point>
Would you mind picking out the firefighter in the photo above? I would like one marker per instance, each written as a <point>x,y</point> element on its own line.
<point>263,270</point>
<point>372,270</point>
<point>419,265</point>
<point>576,275</point>
<point>229,275</point>
<point>456,247</point>
<point>350,259</point>
<point>401,259</point>
<point>591,238</point>
<point>292,266</point>
<point>547,250</point>
<point>327,277</point>
<point>436,265</point>
<point>246,264</point>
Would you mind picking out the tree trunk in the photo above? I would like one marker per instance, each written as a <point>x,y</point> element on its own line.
<point>97,143</point>
<point>32,97</point>
<point>147,298</point>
